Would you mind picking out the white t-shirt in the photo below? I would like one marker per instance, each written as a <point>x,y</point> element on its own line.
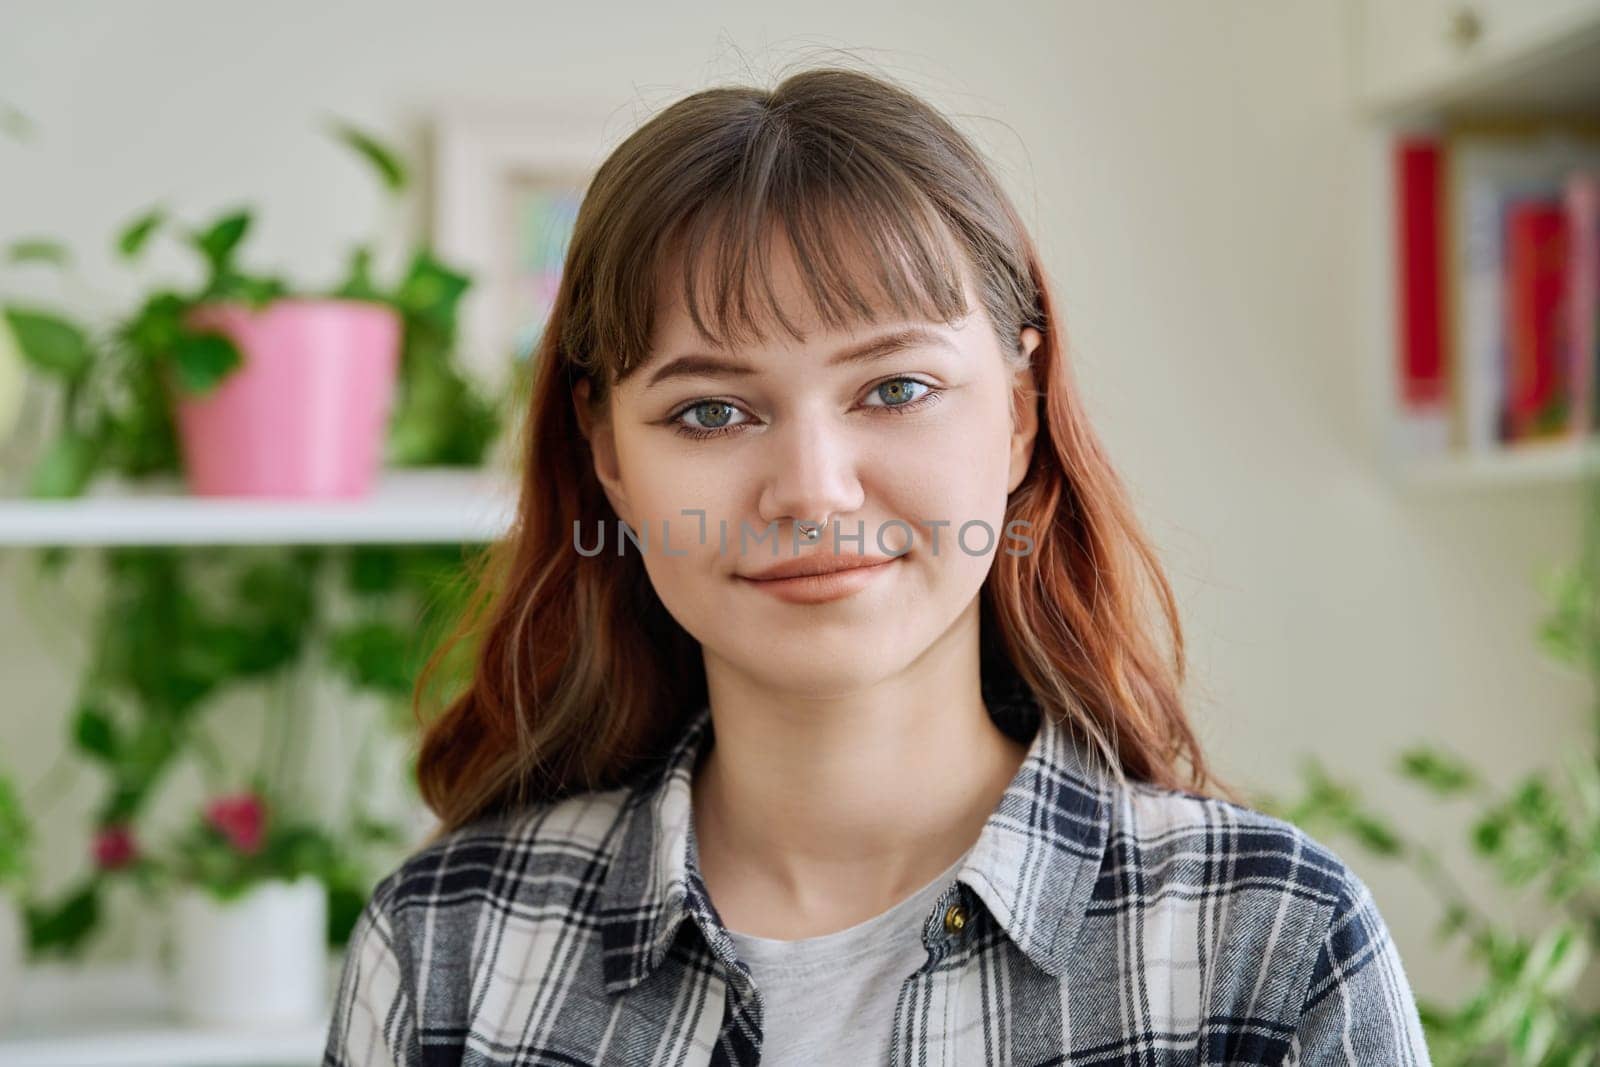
<point>831,999</point>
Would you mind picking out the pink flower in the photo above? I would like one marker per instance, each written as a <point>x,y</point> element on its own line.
<point>241,818</point>
<point>114,847</point>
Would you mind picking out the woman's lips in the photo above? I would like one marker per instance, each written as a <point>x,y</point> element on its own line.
<point>819,588</point>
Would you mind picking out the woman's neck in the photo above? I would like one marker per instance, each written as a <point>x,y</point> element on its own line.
<point>813,814</point>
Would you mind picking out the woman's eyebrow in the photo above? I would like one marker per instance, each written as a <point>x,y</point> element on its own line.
<point>697,365</point>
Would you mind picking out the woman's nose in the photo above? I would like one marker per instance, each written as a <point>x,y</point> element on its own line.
<point>811,474</point>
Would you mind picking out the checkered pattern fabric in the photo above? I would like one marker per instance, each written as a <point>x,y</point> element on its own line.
<point>1108,924</point>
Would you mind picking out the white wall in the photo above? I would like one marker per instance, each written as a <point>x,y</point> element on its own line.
<point>1195,179</point>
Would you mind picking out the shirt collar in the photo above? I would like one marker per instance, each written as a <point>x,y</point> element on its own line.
<point>1034,864</point>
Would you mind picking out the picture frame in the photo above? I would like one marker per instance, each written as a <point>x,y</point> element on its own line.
<point>508,179</point>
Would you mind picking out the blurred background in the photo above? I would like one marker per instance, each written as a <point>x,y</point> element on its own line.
<point>1328,273</point>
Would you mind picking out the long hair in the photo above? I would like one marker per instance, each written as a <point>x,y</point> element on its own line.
<point>579,677</point>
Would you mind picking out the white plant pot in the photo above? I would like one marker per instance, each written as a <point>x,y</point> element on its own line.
<point>257,961</point>
<point>13,951</point>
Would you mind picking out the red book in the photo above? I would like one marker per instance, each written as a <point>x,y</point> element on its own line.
<point>1583,296</point>
<point>1421,350</point>
<point>1538,370</point>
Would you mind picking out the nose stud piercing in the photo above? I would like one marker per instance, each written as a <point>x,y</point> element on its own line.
<point>810,531</point>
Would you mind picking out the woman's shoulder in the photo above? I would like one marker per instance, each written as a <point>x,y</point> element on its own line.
<point>505,856</point>
<point>1270,893</point>
<point>1290,933</point>
<point>430,922</point>
<point>1167,825</point>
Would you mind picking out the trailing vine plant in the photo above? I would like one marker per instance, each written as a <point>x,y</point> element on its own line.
<point>180,628</point>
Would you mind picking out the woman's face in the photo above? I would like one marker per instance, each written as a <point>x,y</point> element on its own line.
<point>895,450</point>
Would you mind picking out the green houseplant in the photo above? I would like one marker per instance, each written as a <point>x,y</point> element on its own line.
<point>183,628</point>
<point>15,841</point>
<point>1540,837</point>
<point>180,628</point>
<point>249,913</point>
<point>116,411</point>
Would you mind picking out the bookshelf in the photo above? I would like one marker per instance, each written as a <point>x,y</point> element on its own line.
<point>1494,68</point>
<point>1532,466</point>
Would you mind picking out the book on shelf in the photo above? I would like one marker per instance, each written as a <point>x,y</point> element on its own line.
<point>1423,400</point>
<point>1497,285</point>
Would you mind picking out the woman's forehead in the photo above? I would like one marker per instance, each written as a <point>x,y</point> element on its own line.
<point>744,290</point>
<point>781,310</point>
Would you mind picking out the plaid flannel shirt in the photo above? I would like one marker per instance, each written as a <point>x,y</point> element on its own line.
<point>1106,925</point>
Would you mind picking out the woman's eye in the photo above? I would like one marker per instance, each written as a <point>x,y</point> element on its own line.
<point>712,418</point>
<point>708,415</point>
<point>897,392</point>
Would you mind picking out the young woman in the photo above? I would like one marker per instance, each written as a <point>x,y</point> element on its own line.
<point>818,713</point>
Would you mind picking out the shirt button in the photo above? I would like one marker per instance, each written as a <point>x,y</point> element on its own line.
<point>955,918</point>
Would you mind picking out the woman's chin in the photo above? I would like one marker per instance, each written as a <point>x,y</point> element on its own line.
<point>803,677</point>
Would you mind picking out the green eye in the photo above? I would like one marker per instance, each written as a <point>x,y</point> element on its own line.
<point>899,391</point>
<point>707,418</point>
<point>719,415</point>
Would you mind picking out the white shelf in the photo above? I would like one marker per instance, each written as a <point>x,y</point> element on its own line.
<point>121,1016</point>
<point>1535,464</point>
<point>423,505</point>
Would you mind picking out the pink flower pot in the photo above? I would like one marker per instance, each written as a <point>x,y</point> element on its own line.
<point>306,412</point>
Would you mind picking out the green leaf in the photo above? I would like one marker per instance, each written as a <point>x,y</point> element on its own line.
<point>1585,778</point>
<point>139,436</point>
<point>344,908</point>
<point>384,160</point>
<point>1433,1014</point>
<point>64,927</point>
<point>134,236</point>
<point>373,569</point>
<point>1488,834</point>
<point>281,585</point>
<point>38,250</point>
<point>66,468</point>
<point>14,123</point>
<point>50,343</point>
<point>358,283</point>
<point>94,733</point>
<point>51,559</point>
<point>1438,771</point>
<point>374,654</point>
<point>1375,834</point>
<point>440,418</point>
<point>143,759</point>
<point>374,831</point>
<point>1532,797</point>
<point>431,290</point>
<point>1564,959</point>
<point>1454,919</point>
<point>1533,1034</point>
<point>218,242</point>
<point>156,326</point>
<point>203,360</point>
<point>1565,632</point>
<point>16,836</point>
<point>256,291</point>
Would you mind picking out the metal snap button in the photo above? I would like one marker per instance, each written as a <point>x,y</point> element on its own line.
<point>955,918</point>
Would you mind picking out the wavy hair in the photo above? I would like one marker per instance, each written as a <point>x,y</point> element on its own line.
<point>579,677</point>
